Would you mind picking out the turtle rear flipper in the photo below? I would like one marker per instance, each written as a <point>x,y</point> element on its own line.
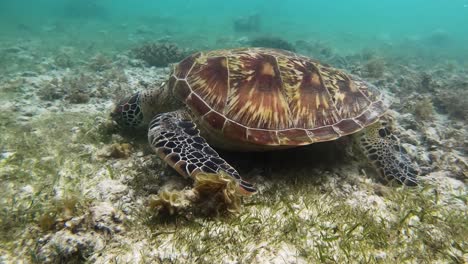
<point>386,153</point>
<point>175,138</point>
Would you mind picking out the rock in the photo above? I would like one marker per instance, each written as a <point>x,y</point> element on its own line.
<point>65,246</point>
<point>432,136</point>
<point>410,136</point>
<point>105,218</point>
<point>111,190</point>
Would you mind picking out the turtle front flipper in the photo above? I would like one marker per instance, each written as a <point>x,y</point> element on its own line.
<point>386,153</point>
<point>175,138</point>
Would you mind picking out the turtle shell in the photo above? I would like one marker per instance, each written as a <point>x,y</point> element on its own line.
<point>273,97</point>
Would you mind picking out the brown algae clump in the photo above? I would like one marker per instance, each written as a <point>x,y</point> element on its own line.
<point>218,192</point>
<point>212,194</point>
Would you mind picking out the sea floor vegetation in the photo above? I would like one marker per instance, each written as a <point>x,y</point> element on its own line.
<point>75,190</point>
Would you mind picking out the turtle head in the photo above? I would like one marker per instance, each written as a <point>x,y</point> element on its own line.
<point>128,113</point>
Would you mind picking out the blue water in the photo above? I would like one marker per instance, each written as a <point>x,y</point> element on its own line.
<point>345,25</point>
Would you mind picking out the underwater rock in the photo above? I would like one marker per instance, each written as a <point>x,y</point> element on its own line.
<point>111,190</point>
<point>272,42</point>
<point>65,246</point>
<point>159,54</point>
<point>105,218</point>
<point>432,136</point>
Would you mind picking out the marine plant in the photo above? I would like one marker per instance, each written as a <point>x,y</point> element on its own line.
<point>159,54</point>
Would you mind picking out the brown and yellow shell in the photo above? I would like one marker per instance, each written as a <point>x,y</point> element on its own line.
<point>271,97</point>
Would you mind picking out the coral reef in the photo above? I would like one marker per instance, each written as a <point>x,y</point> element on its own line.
<point>247,24</point>
<point>271,42</point>
<point>159,54</point>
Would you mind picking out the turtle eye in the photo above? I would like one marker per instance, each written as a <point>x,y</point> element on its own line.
<point>383,132</point>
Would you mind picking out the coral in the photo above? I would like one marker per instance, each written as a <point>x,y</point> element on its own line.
<point>77,88</point>
<point>426,82</point>
<point>247,24</point>
<point>159,54</point>
<point>272,42</point>
<point>99,63</point>
<point>453,101</point>
<point>50,91</point>
<point>375,67</point>
<point>424,109</point>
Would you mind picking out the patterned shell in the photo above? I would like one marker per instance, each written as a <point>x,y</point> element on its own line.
<point>274,97</point>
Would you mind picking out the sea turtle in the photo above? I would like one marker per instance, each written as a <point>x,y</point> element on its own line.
<point>260,99</point>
